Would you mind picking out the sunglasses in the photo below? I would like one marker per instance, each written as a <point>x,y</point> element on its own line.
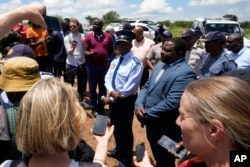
<point>73,26</point>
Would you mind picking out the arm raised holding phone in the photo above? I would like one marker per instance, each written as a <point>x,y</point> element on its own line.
<point>33,12</point>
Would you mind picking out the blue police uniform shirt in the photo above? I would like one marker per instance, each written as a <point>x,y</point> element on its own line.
<point>128,75</point>
<point>242,58</point>
<point>213,66</point>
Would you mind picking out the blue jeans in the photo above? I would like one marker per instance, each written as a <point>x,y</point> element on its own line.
<point>96,77</point>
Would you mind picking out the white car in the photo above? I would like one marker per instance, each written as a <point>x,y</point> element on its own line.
<point>205,25</point>
<point>116,26</point>
<point>148,31</point>
<point>144,21</point>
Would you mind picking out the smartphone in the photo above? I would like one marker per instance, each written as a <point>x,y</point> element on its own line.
<point>170,145</point>
<point>100,125</point>
<point>52,23</point>
<point>139,151</point>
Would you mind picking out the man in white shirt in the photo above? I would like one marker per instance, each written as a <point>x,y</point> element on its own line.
<point>75,62</point>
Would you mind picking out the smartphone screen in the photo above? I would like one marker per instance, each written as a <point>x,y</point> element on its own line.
<point>100,125</point>
<point>170,145</point>
<point>52,23</point>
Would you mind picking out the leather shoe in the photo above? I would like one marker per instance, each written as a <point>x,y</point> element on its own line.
<point>85,105</point>
<point>94,113</point>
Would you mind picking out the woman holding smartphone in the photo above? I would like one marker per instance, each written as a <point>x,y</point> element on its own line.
<point>214,120</point>
<point>50,122</point>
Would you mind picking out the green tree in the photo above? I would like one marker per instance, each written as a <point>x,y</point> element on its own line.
<point>164,22</point>
<point>183,24</point>
<point>90,19</point>
<point>231,17</point>
<point>110,17</point>
<point>60,18</point>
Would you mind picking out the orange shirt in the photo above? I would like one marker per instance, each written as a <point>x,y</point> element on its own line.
<point>38,35</point>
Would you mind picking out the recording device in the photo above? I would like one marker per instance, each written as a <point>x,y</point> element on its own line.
<point>74,42</point>
<point>52,23</point>
<point>170,145</point>
<point>100,125</point>
<point>139,151</point>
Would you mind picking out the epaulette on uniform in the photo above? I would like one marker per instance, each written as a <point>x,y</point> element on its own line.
<point>228,56</point>
<point>136,60</point>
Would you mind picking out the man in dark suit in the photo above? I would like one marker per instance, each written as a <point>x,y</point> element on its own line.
<point>159,99</point>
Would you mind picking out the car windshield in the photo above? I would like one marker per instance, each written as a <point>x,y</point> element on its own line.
<point>115,24</point>
<point>151,27</point>
<point>224,28</point>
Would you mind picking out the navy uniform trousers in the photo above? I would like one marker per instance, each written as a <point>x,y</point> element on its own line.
<point>121,115</point>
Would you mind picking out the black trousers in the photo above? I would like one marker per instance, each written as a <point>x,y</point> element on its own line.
<point>155,129</point>
<point>81,74</point>
<point>121,115</point>
<point>58,68</point>
<point>45,63</point>
<point>144,78</point>
<point>5,150</point>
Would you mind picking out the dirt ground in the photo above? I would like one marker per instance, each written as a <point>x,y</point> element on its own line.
<point>139,136</point>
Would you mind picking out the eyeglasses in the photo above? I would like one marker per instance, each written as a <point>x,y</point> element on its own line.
<point>73,26</point>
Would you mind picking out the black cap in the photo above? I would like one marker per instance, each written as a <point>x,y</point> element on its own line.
<point>126,26</point>
<point>214,36</point>
<point>125,36</point>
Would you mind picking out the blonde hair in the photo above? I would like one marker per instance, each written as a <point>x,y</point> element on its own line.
<point>226,99</point>
<point>50,118</point>
<point>74,20</point>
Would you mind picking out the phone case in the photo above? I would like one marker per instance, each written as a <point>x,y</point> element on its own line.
<point>100,125</point>
<point>52,23</point>
<point>170,145</point>
<point>139,150</point>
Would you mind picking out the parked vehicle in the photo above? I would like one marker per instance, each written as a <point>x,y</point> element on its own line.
<point>116,26</point>
<point>205,25</point>
<point>148,31</point>
<point>217,24</point>
<point>144,21</point>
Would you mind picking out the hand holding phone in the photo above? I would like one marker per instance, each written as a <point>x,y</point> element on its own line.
<point>170,145</point>
<point>100,125</point>
<point>139,150</point>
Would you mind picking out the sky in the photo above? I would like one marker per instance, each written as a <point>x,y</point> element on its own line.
<point>155,10</point>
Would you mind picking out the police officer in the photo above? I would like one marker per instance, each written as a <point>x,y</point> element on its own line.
<point>217,60</point>
<point>122,81</point>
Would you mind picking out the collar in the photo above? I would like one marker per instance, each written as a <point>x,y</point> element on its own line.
<point>176,62</point>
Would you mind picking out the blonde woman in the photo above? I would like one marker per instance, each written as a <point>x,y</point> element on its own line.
<point>50,122</point>
<point>214,119</point>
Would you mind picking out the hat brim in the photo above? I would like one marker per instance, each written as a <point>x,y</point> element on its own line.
<point>12,85</point>
<point>168,36</point>
<point>184,36</point>
<point>123,40</point>
<point>205,40</point>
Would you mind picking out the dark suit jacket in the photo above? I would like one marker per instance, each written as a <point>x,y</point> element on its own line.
<point>161,99</point>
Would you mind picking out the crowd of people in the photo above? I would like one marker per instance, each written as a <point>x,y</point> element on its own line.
<point>190,88</point>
